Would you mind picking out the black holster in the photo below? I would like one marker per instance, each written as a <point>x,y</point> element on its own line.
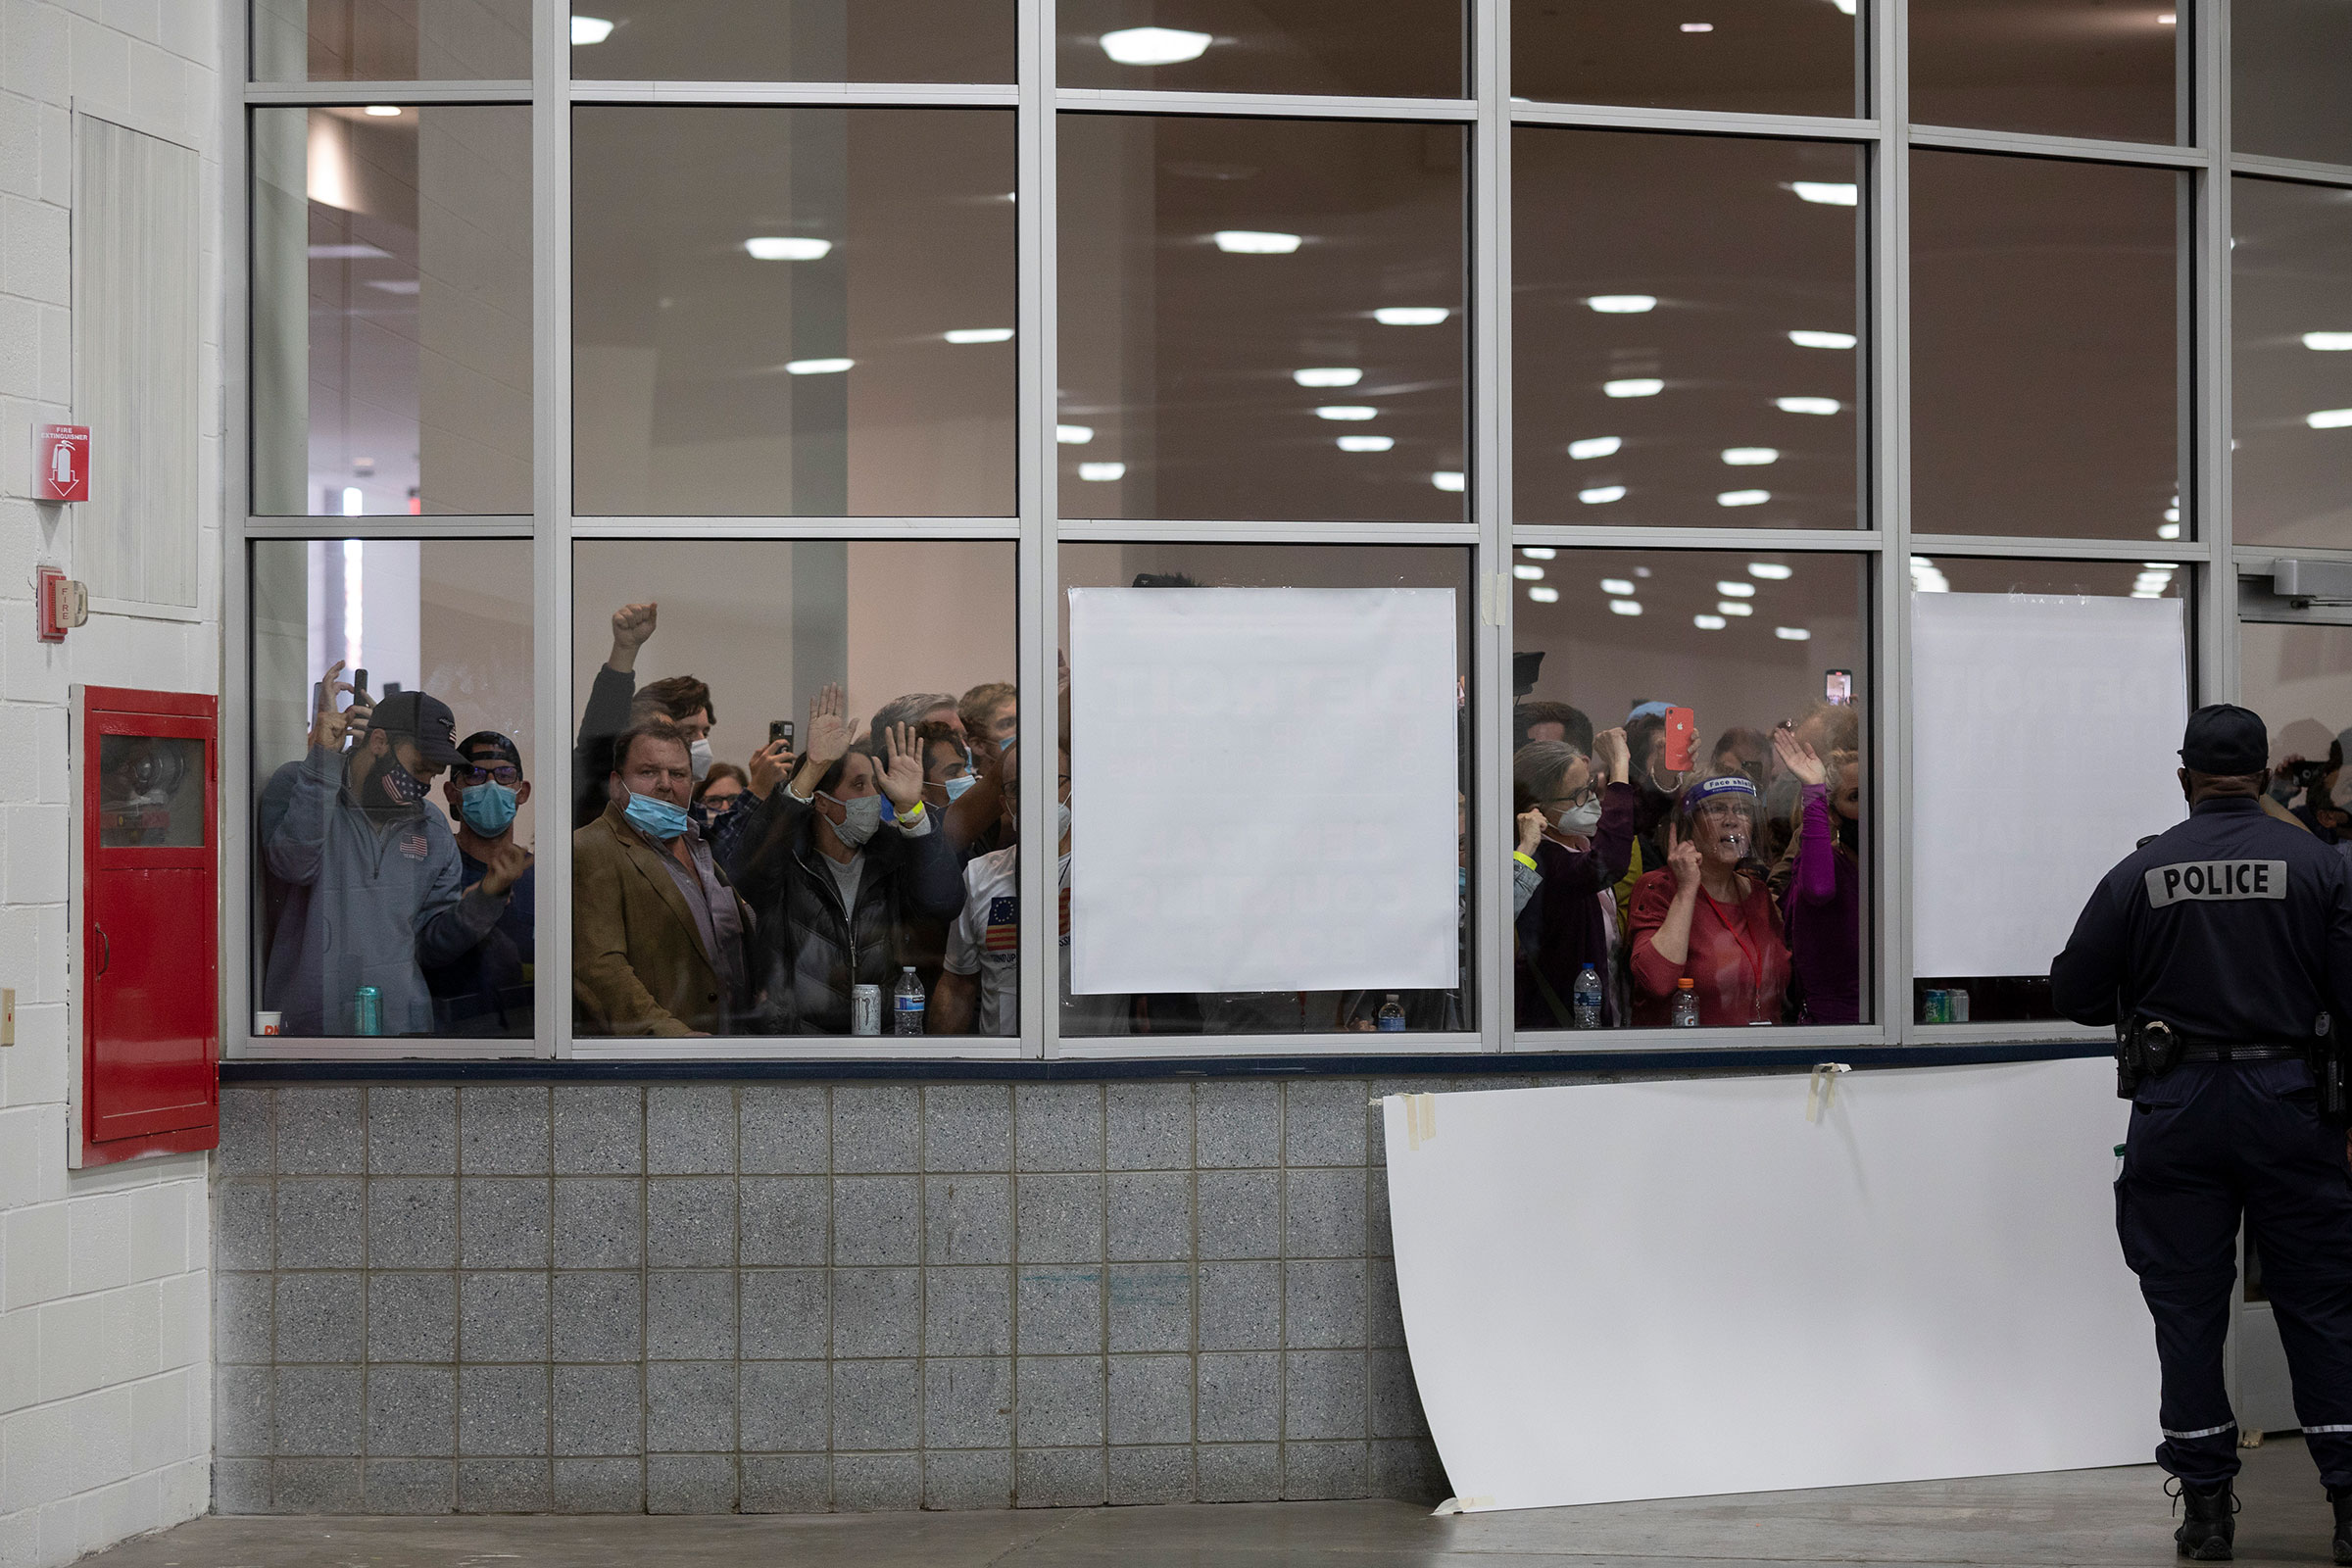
<point>2145,1050</point>
<point>2331,1078</point>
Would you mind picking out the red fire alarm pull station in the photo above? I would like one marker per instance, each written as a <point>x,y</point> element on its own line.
<point>146,886</point>
<point>61,463</point>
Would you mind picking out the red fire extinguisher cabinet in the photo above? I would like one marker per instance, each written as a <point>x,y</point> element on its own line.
<point>146,875</point>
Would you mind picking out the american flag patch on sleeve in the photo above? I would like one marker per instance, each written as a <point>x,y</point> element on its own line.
<point>1004,924</point>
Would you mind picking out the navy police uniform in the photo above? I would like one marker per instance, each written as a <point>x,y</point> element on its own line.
<point>2234,929</point>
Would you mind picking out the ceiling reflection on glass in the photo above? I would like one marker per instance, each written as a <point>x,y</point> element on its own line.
<point>1261,318</point>
<point>1764,57</point>
<point>2116,69</point>
<point>1323,47</point>
<point>793,40</point>
<point>2291,331</point>
<point>1687,334</point>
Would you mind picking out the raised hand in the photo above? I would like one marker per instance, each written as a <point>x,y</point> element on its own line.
<point>632,624</point>
<point>770,764</point>
<point>1531,829</point>
<point>1682,856</point>
<point>902,767</point>
<point>1615,757</point>
<point>327,721</point>
<point>507,863</point>
<point>829,733</point>
<point>1798,757</point>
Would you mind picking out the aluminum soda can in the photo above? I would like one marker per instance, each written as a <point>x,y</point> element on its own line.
<point>367,1012</point>
<point>1955,1006</point>
<point>1938,1009</point>
<point>866,1010</point>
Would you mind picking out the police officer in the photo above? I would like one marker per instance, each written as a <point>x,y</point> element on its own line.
<point>2220,951</point>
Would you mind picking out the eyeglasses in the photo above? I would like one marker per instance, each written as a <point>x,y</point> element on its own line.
<point>505,774</point>
<point>1581,797</point>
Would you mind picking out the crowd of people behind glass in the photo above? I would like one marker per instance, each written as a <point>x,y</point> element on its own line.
<point>1656,885</point>
<point>856,870</point>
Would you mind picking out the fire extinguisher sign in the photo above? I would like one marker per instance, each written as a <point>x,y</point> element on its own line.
<point>61,463</point>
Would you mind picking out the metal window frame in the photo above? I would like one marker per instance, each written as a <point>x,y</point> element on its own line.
<point>1491,114</point>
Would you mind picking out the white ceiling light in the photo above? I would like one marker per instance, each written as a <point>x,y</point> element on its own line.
<point>1736,590</point>
<point>1710,622</point>
<point>586,30</point>
<point>1806,404</point>
<point>1600,495</point>
<point>1366,443</point>
<point>1641,571</point>
<point>1770,570</point>
<point>1594,446</point>
<point>1828,193</point>
<point>1447,481</point>
<point>1698,27</point>
<point>1733,607</point>
<point>1638,386</point>
<point>2329,418</point>
<point>2168,19</point>
<point>1527,574</point>
<point>1328,376</point>
<point>1073,435</point>
<point>1543,595</point>
<point>384,111</point>
<point>817,367</point>
<point>1617,585</point>
<point>1751,457</point>
<point>787,248</point>
<point>2167,531</point>
<point>1102,472</point>
<point>1804,340</point>
<point>1538,552</point>
<point>348,253</point>
<point>1623,304</point>
<point>1846,6</point>
<point>1345,411</point>
<point>1626,607</point>
<point>1410,314</point>
<point>1154,46</point>
<point>979,334</point>
<point>1254,242</point>
<point>1792,634</point>
<point>2328,342</point>
<point>1743,498</point>
<point>354,501</point>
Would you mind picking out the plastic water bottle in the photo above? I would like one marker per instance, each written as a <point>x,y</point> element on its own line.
<point>1685,1004</point>
<point>1587,998</point>
<point>906,1003</point>
<point>1391,1016</point>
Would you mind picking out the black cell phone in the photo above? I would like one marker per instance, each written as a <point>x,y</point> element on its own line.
<point>359,685</point>
<point>779,729</point>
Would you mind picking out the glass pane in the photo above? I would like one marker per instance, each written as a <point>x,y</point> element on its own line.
<point>381,833</point>
<point>150,792</point>
<point>1647,681</point>
<point>1996,998</point>
<point>391,40</point>
<point>793,312</point>
<point>2047,302</point>
<point>793,40</point>
<point>1275,765</point>
<point>2058,68</point>
<point>2287,78</point>
<point>2299,679</point>
<point>1261,318</point>
<point>1293,46</point>
<point>391,311</point>
<point>756,686</point>
<point>1688,329</point>
<point>2290,332</point>
<point>1761,57</point>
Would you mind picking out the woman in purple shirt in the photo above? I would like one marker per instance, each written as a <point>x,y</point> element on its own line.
<point>1821,908</point>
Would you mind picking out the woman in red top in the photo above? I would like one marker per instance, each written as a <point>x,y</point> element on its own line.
<point>1705,918</point>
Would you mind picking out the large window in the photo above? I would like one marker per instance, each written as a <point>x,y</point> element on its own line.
<point>1439,471</point>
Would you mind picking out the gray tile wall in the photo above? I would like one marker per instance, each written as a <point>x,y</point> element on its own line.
<point>789,1297</point>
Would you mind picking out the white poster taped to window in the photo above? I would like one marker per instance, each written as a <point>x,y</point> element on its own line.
<point>2044,734</point>
<point>1263,788</point>
<point>1681,1288</point>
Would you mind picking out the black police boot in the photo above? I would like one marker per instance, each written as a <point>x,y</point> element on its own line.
<point>2342,1496</point>
<point>2207,1521</point>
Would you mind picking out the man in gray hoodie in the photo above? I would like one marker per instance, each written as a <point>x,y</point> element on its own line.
<point>374,886</point>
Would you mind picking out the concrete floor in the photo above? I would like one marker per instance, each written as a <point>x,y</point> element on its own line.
<point>2078,1517</point>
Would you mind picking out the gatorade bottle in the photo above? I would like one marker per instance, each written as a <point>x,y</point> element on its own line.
<point>1685,1004</point>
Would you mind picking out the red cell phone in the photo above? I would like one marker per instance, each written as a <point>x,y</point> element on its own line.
<point>1682,731</point>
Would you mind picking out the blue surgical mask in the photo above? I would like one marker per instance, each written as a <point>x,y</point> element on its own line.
<point>488,808</point>
<point>956,786</point>
<point>1461,881</point>
<point>655,817</point>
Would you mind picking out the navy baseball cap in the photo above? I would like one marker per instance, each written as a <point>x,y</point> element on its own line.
<point>425,720</point>
<point>2226,740</point>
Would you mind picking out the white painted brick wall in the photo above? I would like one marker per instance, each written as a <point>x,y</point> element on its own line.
<point>104,1289</point>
